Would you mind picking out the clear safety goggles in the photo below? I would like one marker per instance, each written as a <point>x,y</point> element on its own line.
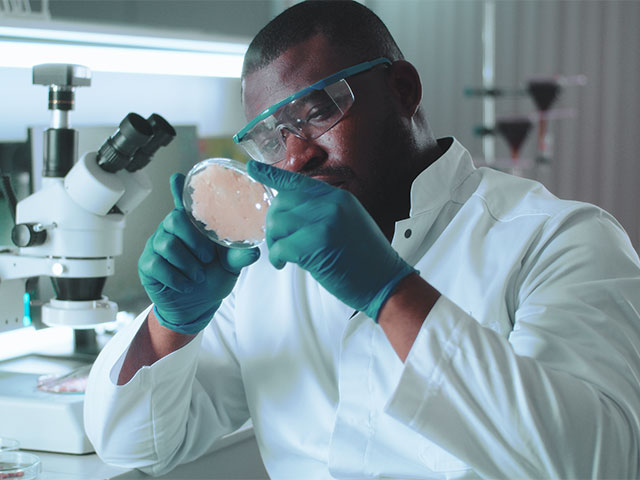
<point>307,114</point>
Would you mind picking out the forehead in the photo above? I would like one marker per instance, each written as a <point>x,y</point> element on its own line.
<point>297,68</point>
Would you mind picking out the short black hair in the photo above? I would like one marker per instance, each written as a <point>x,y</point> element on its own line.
<point>347,24</point>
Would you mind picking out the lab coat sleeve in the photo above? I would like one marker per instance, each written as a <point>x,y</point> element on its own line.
<point>558,398</point>
<point>171,412</point>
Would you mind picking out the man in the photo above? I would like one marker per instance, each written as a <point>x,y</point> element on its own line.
<point>424,319</point>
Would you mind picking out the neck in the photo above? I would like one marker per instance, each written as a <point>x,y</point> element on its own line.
<point>400,205</point>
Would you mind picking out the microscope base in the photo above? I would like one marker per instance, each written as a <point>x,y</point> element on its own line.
<point>51,422</point>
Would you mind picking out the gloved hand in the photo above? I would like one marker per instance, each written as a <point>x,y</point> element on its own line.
<point>326,231</point>
<point>185,274</point>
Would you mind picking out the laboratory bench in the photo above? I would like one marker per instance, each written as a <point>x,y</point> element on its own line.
<point>45,422</point>
<point>237,457</point>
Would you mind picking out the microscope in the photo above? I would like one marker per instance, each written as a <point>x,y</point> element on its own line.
<point>71,229</point>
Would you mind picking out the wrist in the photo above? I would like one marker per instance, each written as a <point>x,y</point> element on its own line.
<point>151,343</point>
<point>182,325</point>
<point>388,289</point>
<point>413,297</point>
<point>402,315</point>
<point>164,340</point>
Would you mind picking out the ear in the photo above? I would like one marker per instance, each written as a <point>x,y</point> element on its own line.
<point>405,85</point>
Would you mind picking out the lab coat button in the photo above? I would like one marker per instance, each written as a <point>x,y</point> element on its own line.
<point>407,233</point>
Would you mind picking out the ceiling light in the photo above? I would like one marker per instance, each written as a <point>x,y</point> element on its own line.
<point>126,53</point>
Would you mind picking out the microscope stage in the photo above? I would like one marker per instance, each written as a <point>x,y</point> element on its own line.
<point>39,420</point>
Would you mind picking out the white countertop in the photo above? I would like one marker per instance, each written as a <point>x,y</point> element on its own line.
<point>237,455</point>
<point>236,458</point>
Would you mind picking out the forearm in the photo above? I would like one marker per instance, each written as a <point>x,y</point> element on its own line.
<point>151,343</point>
<point>526,414</point>
<point>403,314</point>
<point>124,422</point>
<point>166,400</point>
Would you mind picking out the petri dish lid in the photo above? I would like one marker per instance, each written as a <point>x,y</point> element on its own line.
<point>225,203</point>
<point>7,444</point>
<point>22,465</point>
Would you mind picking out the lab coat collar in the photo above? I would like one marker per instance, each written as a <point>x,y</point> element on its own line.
<point>437,184</point>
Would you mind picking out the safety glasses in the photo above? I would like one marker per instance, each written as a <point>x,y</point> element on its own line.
<point>307,114</point>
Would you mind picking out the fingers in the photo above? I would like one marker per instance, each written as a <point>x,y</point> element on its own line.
<point>284,218</point>
<point>235,259</point>
<point>163,278</point>
<point>295,229</point>
<point>178,224</point>
<point>173,251</point>
<point>297,247</point>
<point>156,273</point>
<point>305,209</point>
<point>284,180</point>
<point>296,234</point>
<point>176,253</point>
<point>282,224</point>
<point>176,184</point>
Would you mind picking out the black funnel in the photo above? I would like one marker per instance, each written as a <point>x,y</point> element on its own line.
<point>515,131</point>
<point>543,92</point>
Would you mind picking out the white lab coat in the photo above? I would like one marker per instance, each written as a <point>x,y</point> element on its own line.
<point>528,366</point>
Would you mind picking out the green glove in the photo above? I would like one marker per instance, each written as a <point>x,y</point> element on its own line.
<point>185,274</point>
<point>326,231</point>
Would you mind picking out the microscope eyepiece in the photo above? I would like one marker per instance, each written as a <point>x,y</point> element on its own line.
<point>117,151</point>
<point>163,134</point>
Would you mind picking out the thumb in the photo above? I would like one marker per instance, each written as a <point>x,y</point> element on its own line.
<point>235,259</point>
<point>280,179</point>
<point>176,184</point>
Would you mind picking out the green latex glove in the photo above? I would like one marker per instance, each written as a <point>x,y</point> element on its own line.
<point>326,231</point>
<point>185,274</point>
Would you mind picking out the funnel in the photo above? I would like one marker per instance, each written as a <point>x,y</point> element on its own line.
<point>543,91</point>
<point>515,131</point>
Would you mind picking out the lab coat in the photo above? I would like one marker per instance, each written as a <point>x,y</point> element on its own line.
<point>527,366</point>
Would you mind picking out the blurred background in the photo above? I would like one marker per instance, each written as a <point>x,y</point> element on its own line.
<point>479,61</point>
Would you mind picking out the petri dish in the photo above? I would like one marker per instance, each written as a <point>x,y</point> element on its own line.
<point>74,382</point>
<point>225,203</point>
<point>22,465</point>
<point>9,444</point>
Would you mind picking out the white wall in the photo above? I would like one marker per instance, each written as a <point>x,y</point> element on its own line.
<point>212,104</point>
<point>595,157</point>
<point>442,38</point>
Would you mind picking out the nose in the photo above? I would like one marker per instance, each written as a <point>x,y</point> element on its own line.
<point>302,155</point>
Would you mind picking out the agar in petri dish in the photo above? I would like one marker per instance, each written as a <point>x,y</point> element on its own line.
<point>225,203</point>
<point>74,382</point>
<point>22,465</point>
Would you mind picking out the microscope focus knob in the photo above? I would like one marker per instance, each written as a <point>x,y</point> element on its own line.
<point>28,235</point>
